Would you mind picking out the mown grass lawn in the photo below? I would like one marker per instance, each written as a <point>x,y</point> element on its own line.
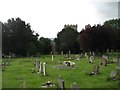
<point>18,73</point>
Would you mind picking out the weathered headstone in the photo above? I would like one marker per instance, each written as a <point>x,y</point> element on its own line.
<point>95,71</point>
<point>40,69</point>
<point>104,61</point>
<point>69,52</point>
<point>37,63</point>
<point>61,83</point>
<point>113,75</point>
<point>93,53</point>
<point>91,59</point>
<point>75,86</point>
<point>52,57</point>
<point>44,69</point>
<point>86,55</point>
<point>61,52</point>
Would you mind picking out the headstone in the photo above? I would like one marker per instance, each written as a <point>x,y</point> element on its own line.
<point>61,52</point>
<point>61,83</point>
<point>95,71</point>
<point>40,69</point>
<point>90,53</point>
<point>69,52</point>
<point>93,53</point>
<point>113,74</point>
<point>86,55</point>
<point>104,61</point>
<point>81,54</point>
<point>91,59</point>
<point>9,60</point>
<point>37,63</point>
<point>75,86</point>
<point>52,57</point>
<point>44,69</point>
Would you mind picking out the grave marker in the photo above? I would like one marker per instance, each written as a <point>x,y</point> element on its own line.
<point>44,69</point>
<point>75,86</point>
<point>40,69</point>
<point>104,61</point>
<point>91,59</point>
<point>61,83</point>
<point>52,57</point>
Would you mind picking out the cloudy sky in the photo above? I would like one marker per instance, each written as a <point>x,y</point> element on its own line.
<point>48,17</point>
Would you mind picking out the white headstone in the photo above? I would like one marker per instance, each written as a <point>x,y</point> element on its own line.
<point>91,59</point>
<point>44,69</point>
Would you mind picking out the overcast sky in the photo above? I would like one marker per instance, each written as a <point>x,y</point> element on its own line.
<point>48,17</point>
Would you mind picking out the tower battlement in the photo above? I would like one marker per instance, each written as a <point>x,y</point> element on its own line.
<point>72,26</point>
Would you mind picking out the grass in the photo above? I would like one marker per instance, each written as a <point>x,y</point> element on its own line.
<point>18,73</point>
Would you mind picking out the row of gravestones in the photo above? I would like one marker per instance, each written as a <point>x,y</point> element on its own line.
<point>41,66</point>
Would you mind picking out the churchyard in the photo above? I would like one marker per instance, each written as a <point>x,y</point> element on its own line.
<point>73,71</point>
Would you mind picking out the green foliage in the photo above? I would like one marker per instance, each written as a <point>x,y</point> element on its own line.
<point>18,38</point>
<point>45,45</point>
<point>67,40</point>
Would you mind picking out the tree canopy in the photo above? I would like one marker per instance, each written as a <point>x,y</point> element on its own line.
<point>18,38</point>
<point>67,41</point>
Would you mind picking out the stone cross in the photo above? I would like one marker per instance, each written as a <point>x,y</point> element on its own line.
<point>61,83</point>
<point>44,69</point>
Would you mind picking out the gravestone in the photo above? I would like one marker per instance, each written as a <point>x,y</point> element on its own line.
<point>95,71</point>
<point>93,53</point>
<point>86,55</point>
<point>52,57</point>
<point>44,69</point>
<point>81,55</point>
<point>61,83</point>
<point>104,61</point>
<point>90,53</point>
<point>37,63</point>
<point>75,86</point>
<point>61,52</point>
<point>113,75</point>
<point>69,52</point>
<point>40,69</point>
<point>91,59</point>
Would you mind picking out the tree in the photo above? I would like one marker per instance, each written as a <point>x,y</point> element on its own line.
<point>45,45</point>
<point>67,40</point>
<point>17,36</point>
